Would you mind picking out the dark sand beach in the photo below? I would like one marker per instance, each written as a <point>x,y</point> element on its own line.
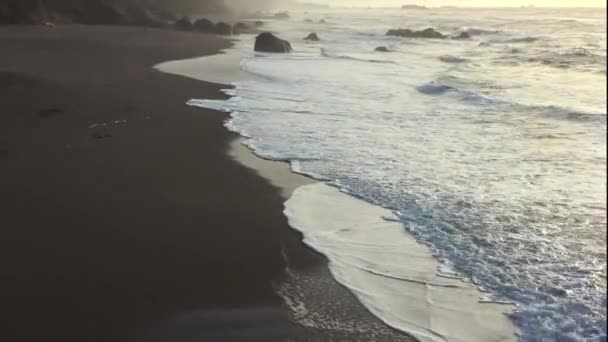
<point>108,230</point>
<point>123,217</point>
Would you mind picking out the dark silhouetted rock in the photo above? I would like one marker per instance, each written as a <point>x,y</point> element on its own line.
<point>259,23</point>
<point>399,32</point>
<point>431,33</point>
<point>463,35</point>
<point>223,29</point>
<point>427,33</point>
<point>268,42</point>
<point>382,49</point>
<point>204,25</point>
<point>184,24</point>
<point>312,36</point>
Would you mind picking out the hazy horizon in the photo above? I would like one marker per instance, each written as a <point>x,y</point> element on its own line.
<point>463,3</point>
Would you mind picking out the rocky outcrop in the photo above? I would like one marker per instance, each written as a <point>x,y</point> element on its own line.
<point>184,24</point>
<point>152,13</point>
<point>268,42</point>
<point>223,29</point>
<point>382,49</point>
<point>427,33</point>
<point>462,35</point>
<point>312,37</point>
<point>30,12</point>
<point>204,25</point>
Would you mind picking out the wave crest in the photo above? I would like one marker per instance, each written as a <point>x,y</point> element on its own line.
<point>324,53</point>
<point>477,31</point>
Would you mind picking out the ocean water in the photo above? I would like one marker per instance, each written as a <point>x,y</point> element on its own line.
<point>491,151</point>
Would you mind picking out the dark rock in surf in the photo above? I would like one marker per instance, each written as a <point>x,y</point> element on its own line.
<point>399,32</point>
<point>557,292</point>
<point>259,23</point>
<point>430,33</point>
<point>382,49</point>
<point>313,37</point>
<point>184,24</point>
<point>223,29</point>
<point>204,25</point>
<point>268,42</point>
<point>427,33</point>
<point>462,35</point>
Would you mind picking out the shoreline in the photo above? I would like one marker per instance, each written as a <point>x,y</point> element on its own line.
<point>279,173</point>
<point>307,281</point>
<point>121,201</point>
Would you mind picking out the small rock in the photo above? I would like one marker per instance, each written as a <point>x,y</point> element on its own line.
<point>427,33</point>
<point>312,36</point>
<point>223,29</point>
<point>268,42</point>
<point>204,25</point>
<point>183,24</point>
<point>382,49</point>
<point>463,35</point>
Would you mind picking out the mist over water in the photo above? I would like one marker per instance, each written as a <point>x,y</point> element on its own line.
<point>491,150</point>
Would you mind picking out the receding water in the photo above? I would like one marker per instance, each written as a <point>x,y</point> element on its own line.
<point>490,150</point>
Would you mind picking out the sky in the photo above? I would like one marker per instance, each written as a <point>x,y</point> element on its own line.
<point>486,3</point>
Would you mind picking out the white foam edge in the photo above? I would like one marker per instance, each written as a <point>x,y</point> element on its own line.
<point>217,68</point>
<point>393,276</point>
<point>420,301</point>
